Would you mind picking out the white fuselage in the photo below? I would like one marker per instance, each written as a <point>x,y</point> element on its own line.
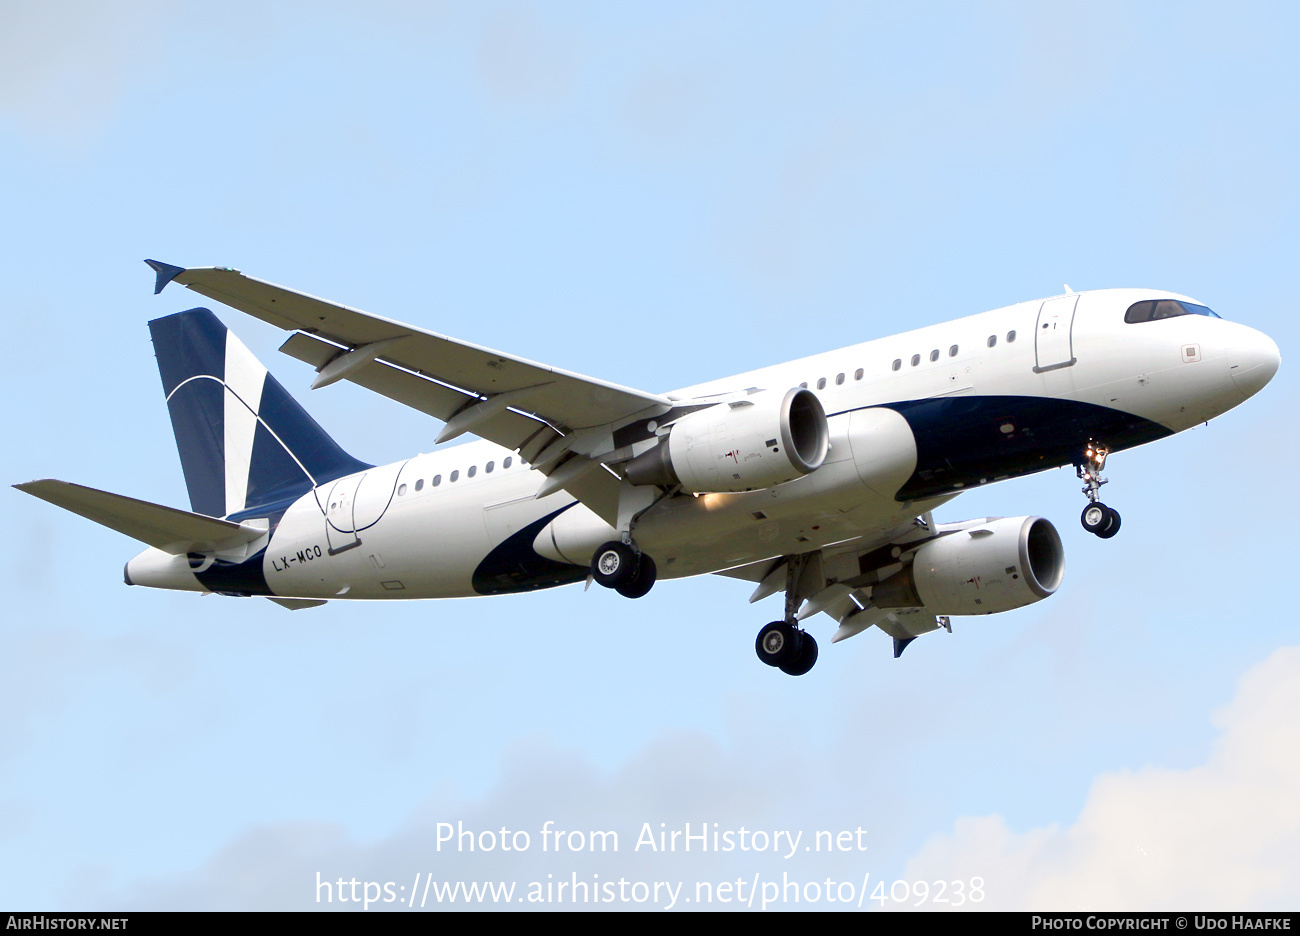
<point>408,530</point>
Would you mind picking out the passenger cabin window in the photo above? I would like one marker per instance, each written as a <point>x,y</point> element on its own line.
<point>898,362</point>
<point>473,469</point>
<point>1011,335</point>
<point>916,359</point>
<point>857,374</point>
<point>506,463</point>
<point>489,466</point>
<point>821,383</point>
<point>934,355</point>
<point>804,385</point>
<point>419,484</point>
<point>839,379</point>
<point>1149,310</point>
<point>437,480</point>
<point>993,340</point>
<point>454,476</point>
<point>401,490</point>
<point>952,352</point>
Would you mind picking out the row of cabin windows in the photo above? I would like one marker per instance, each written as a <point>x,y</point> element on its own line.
<point>952,351</point>
<point>898,362</point>
<point>839,379</point>
<point>821,385</point>
<point>455,475</point>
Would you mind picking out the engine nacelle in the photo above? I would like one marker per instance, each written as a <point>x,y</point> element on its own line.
<point>1004,564</point>
<point>762,440</point>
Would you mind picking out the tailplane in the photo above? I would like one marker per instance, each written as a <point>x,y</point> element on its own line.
<point>175,532</point>
<point>244,442</point>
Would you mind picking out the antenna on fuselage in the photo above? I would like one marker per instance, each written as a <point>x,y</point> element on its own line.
<point>1068,290</point>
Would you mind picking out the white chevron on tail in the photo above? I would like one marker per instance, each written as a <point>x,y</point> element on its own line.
<point>245,377</point>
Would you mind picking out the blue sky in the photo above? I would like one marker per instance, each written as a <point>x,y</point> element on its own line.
<point>655,196</point>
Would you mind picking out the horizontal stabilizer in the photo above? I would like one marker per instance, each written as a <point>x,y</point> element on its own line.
<point>166,528</point>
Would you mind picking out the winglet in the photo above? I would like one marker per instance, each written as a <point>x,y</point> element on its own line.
<point>166,273</point>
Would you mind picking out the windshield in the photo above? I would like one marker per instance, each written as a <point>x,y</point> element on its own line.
<point>1149,310</point>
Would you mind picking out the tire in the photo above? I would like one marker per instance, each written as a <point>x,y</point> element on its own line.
<point>1095,518</point>
<point>614,564</point>
<point>807,657</point>
<point>779,643</point>
<point>1112,524</point>
<point>642,582</point>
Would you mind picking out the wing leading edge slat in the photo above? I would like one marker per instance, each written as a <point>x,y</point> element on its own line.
<point>563,398</point>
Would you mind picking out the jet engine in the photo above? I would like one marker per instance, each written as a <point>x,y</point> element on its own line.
<point>1001,565</point>
<point>744,445</point>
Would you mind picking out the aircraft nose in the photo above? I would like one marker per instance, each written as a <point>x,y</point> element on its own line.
<point>1253,362</point>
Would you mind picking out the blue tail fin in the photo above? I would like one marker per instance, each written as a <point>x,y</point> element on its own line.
<point>244,442</point>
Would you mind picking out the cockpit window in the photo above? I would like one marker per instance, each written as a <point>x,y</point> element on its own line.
<point>1149,310</point>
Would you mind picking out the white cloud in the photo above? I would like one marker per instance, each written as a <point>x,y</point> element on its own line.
<point>1214,837</point>
<point>679,777</point>
<point>1220,836</point>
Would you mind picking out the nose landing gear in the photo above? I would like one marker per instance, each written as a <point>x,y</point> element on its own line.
<point>1100,520</point>
<point>1097,518</point>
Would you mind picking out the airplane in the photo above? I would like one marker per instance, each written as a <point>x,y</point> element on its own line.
<point>817,478</point>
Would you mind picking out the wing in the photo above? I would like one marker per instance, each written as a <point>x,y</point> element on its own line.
<point>550,416</point>
<point>837,580</point>
<point>171,530</point>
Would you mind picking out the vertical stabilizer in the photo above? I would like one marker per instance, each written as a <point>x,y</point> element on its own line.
<point>243,441</point>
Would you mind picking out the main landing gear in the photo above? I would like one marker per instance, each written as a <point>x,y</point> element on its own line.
<point>1097,518</point>
<point>784,644</point>
<point>623,568</point>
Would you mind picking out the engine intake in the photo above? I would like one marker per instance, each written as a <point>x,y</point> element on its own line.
<point>1004,564</point>
<point>744,445</point>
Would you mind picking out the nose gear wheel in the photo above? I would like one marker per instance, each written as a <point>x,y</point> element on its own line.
<point>1100,520</point>
<point>1097,518</point>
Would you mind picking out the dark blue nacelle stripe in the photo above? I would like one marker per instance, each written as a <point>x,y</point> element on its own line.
<point>964,441</point>
<point>514,566</point>
<point>242,579</point>
<point>960,442</point>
